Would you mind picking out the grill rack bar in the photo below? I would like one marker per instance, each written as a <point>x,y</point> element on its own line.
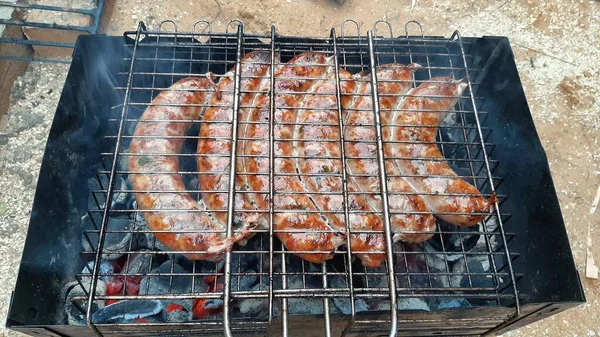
<point>346,202</point>
<point>383,186</point>
<point>231,325</point>
<point>271,171</point>
<point>232,175</point>
<point>109,193</point>
<point>487,164</point>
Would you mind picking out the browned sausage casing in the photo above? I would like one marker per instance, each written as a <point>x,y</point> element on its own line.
<point>214,145</point>
<point>178,220</point>
<point>301,232</point>
<point>394,80</point>
<point>418,116</point>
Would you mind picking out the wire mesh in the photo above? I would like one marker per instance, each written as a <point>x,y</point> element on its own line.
<point>94,14</point>
<point>263,285</point>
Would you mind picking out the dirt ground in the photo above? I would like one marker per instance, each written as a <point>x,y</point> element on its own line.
<point>557,49</point>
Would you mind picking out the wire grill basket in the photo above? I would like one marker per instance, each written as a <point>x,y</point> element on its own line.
<point>469,268</point>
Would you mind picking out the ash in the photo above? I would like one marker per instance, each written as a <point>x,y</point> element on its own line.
<point>34,99</point>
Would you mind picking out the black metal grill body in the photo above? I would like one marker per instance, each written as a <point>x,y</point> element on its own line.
<point>494,142</point>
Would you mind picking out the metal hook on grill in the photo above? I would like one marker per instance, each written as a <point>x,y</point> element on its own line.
<point>239,23</point>
<point>416,23</point>
<point>199,22</point>
<point>142,26</point>
<point>455,36</point>
<point>160,26</point>
<point>351,21</point>
<point>386,23</point>
<point>142,31</point>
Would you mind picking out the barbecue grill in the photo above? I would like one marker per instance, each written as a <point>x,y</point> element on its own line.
<point>512,269</point>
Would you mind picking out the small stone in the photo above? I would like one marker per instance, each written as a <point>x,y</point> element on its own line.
<point>26,120</point>
<point>577,95</point>
<point>246,14</point>
<point>587,74</point>
<point>541,22</point>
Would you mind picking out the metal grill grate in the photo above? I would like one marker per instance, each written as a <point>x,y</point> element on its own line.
<point>439,272</point>
<point>94,14</point>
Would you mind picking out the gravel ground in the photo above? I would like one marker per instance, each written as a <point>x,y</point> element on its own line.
<point>34,97</point>
<point>556,46</point>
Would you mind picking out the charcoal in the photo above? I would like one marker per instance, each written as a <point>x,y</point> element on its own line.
<point>453,303</point>
<point>241,265</point>
<point>343,304</point>
<point>412,304</point>
<point>305,306</point>
<point>419,270</point>
<point>96,199</point>
<point>213,303</point>
<point>179,316</point>
<point>129,311</point>
<point>379,279</point>
<point>453,245</point>
<point>460,277</point>
<point>144,238</point>
<point>139,263</point>
<point>252,307</point>
<point>206,267</point>
<point>106,267</point>
<point>112,241</point>
<point>75,310</point>
<point>169,284</point>
<point>120,200</point>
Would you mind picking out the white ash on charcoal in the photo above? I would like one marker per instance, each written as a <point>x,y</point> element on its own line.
<point>130,311</point>
<point>118,236</point>
<point>74,309</point>
<point>169,282</point>
<point>412,268</point>
<point>475,272</point>
<point>421,271</point>
<point>135,267</point>
<point>451,246</point>
<point>244,271</point>
<point>145,237</point>
<point>412,303</point>
<point>259,307</point>
<point>106,267</point>
<point>374,277</point>
<point>343,304</point>
<point>448,303</point>
<point>250,272</point>
<point>252,307</point>
<point>447,254</point>
<point>120,200</point>
<point>303,305</point>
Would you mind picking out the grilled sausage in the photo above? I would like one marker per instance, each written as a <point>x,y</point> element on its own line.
<point>178,220</point>
<point>393,81</point>
<point>317,141</point>
<point>300,232</point>
<point>214,144</point>
<point>418,117</point>
<point>254,145</point>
